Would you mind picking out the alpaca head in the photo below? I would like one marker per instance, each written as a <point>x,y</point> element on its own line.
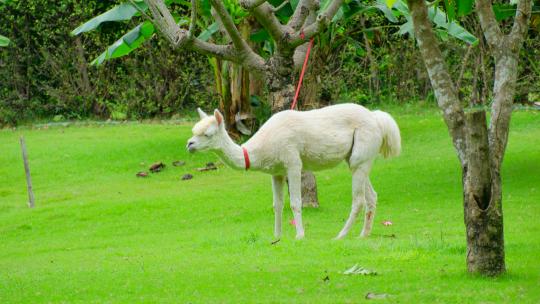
<point>207,133</point>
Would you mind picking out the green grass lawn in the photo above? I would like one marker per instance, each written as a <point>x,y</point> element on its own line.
<point>101,235</point>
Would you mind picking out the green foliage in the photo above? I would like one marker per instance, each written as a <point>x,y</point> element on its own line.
<point>120,12</point>
<point>464,7</point>
<point>361,57</point>
<point>445,23</point>
<point>135,38</point>
<point>45,70</point>
<point>129,42</point>
<point>390,3</point>
<point>4,41</point>
<point>209,31</point>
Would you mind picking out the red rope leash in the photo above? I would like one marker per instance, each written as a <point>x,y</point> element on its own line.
<point>293,105</point>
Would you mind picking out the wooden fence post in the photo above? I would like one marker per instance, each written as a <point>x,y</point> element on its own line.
<point>27,171</point>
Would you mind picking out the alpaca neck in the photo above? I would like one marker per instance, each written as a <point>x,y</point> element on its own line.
<point>231,153</point>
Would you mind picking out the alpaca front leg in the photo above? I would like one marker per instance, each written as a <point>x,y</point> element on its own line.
<point>295,181</point>
<point>277,189</point>
<point>371,204</point>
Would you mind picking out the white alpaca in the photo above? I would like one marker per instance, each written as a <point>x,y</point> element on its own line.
<point>292,141</point>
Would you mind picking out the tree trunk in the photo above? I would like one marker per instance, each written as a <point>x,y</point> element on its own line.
<point>482,202</point>
<point>233,84</point>
<point>309,190</point>
<point>485,236</point>
<point>480,149</point>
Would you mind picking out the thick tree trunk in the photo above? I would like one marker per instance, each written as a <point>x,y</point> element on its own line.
<point>485,236</point>
<point>482,202</point>
<point>309,190</point>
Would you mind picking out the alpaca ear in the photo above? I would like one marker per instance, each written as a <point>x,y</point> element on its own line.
<point>219,117</point>
<point>201,113</point>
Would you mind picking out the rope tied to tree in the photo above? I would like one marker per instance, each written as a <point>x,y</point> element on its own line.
<point>304,66</point>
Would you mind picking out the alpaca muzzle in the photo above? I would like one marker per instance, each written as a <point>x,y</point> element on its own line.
<point>191,147</point>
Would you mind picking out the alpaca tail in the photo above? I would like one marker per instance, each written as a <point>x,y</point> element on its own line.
<point>391,145</point>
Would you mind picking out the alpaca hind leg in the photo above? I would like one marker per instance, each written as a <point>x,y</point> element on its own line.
<point>359,179</point>
<point>371,204</point>
<point>277,189</point>
<point>294,176</point>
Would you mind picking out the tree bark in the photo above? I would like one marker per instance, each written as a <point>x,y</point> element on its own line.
<point>485,235</point>
<point>482,202</point>
<point>309,190</point>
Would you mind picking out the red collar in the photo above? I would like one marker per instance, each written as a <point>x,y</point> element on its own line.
<point>246,158</point>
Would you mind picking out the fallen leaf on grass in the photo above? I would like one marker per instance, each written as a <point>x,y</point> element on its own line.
<point>376,296</point>
<point>387,223</point>
<point>142,174</point>
<point>209,166</point>
<point>178,163</point>
<point>187,176</point>
<point>156,167</point>
<point>206,169</point>
<point>359,270</point>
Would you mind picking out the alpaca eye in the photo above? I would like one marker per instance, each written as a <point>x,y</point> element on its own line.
<point>207,135</point>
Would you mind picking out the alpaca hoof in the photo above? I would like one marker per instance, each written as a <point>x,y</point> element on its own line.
<point>299,236</point>
<point>363,235</point>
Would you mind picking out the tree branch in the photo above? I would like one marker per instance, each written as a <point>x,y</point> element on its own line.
<point>264,14</point>
<point>251,4</point>
<point>504,87</point>
<point>247,57</point>
<point>301,51</point>
<point>164,22</point>
<point>225,52</point>
<point>229,25</point>
<point>282,5</point>
<point>300,13</point>
<point>180,38</point>
<point>322,21</point>
<point>489,24</point>
<point>445,91</point>
<point>521,23</point>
